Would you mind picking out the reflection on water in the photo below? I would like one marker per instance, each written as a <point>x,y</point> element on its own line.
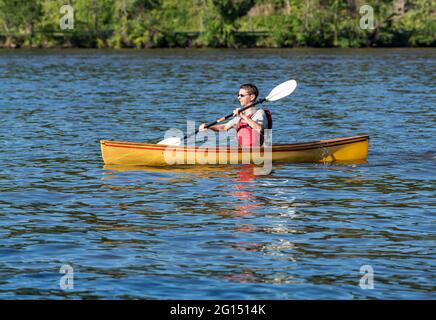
<point>215,232</point>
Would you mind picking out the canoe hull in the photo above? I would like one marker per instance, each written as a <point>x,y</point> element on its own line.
<point>348,149</point>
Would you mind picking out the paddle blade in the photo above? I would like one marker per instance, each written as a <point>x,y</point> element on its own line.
<point>282,90</point>
<point>173,141</point>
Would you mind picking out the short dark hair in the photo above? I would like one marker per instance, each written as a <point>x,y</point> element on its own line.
<point>250,88</point>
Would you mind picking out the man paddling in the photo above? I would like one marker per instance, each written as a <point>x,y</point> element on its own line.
<point>249,124</point>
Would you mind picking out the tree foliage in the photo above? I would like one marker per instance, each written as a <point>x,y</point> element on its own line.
<point>217,23</point>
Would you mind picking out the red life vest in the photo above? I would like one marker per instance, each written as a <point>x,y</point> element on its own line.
<point>247,137</point>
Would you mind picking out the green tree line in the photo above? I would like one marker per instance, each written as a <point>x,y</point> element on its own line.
<point>218,23</point>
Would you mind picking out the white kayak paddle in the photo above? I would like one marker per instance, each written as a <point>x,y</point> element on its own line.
<point>282,90</point>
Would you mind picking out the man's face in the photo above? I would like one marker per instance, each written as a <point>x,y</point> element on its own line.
<point>245,98</point>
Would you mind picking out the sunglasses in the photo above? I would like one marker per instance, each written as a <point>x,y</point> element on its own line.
<point>241,95</point>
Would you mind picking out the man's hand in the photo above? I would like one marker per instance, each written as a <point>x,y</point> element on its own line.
<point>237,112</point>
<point>202,127</point>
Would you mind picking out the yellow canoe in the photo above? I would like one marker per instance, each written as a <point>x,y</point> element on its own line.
<point>350,149</point>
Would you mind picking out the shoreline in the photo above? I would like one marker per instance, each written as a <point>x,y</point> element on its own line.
<point>375,48</point>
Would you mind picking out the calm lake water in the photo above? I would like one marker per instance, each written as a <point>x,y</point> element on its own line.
<point>302,232</point>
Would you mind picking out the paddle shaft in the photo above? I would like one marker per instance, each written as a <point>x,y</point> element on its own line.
<point>225,118</point>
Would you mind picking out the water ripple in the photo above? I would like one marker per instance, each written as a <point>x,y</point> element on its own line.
<point>302,232</point>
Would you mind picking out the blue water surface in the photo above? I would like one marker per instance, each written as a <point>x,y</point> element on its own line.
<point>306,231</point>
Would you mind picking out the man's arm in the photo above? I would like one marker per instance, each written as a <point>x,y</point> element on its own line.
<point>256,122</point>
<point>255,125</point>
<point>219,127</point>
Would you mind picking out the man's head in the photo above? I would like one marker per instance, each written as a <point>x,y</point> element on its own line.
<point>247,94</point>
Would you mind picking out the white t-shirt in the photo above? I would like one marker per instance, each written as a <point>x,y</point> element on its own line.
<point>259,117</point>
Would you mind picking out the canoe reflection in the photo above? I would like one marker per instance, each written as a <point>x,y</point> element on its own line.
<point>239,176</point>
<point>182,169</point>
<point>244,193</point>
